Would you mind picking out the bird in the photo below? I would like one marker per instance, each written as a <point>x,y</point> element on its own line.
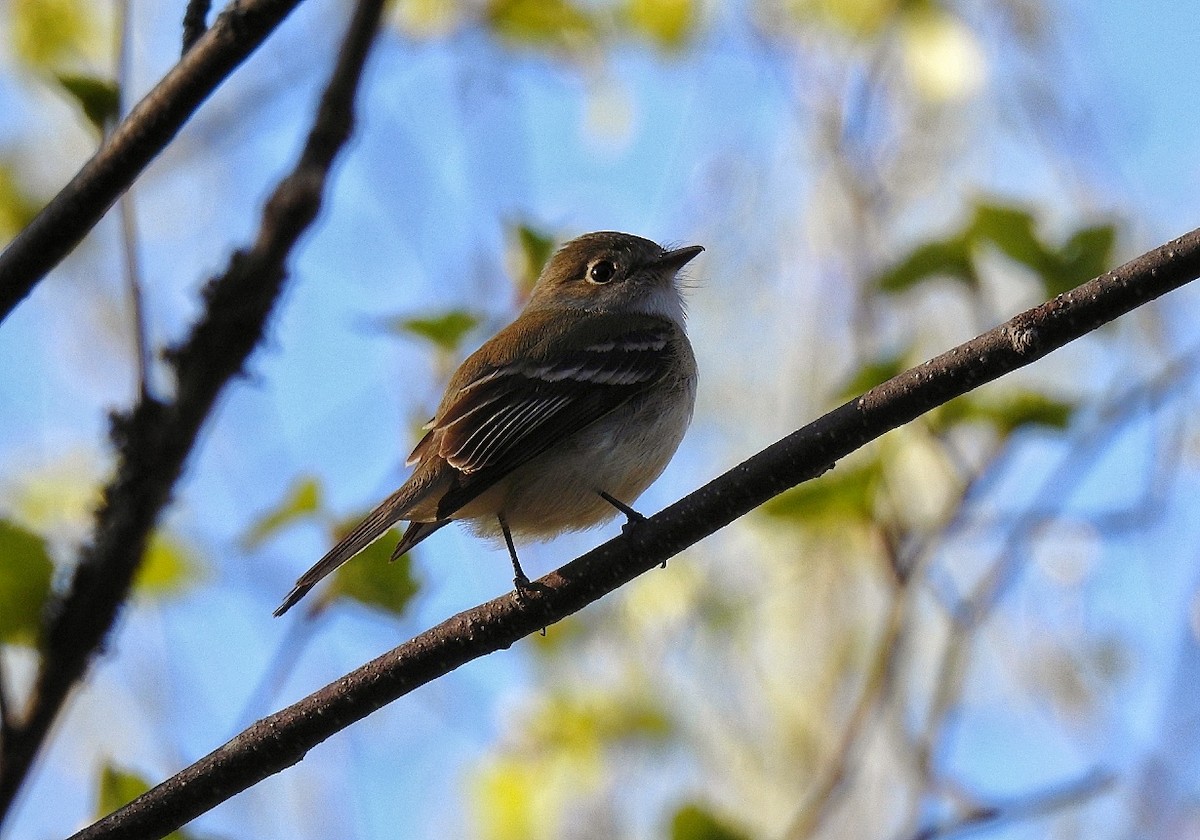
<point>559,421</point>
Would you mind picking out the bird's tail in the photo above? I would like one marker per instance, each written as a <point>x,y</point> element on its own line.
<point>374,526</point>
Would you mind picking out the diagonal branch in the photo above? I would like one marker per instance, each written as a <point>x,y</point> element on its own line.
<point>282,739</point>
<point>154,440</point>
<point>148,128</point>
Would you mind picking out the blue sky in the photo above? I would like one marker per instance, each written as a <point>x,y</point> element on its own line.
<point>451,148</point>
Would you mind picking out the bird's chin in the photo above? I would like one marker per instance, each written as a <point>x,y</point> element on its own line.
<point>661,300</point>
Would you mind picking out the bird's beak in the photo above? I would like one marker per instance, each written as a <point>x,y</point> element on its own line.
<point>677,259</point>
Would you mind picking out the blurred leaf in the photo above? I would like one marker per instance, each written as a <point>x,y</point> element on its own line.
<point>1011,229</point>
<point>874,373</point>
<point>948,258</point>
<point>693,822</point>
<point>505,793</point>
<point>540,22</point>
<point>25,575</point>
<point>445,331</point>
<point>47,32</point>
<point>118,788</point>
<point>167,567</point>
<point>303,499</point>
<point>1007,414</point>
<point>668,22</point>
<point>370,578</point>
<point>535,248</point>
<point>582,722</point>
<point>559,636</point>
<point>845,494</point>
<point>1087,254</point>
<point>99,98</point>
<point>428,18</point>
<point>17,208</point>
<point>863,18</point>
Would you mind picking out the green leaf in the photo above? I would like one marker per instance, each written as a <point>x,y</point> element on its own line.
<point>669,23</point>
<point>120,787</point>
<point>303,500</point>
<point>26,572</point>
<point>1007,414</point>
<point>371,579</point>
<point>559,636</point>
<point>535,248</point>
<point>1011,229</point>
<point>117,789</point>
<point>167,568</point>
<point>874,373</point>
<point>1086,254</point>
<point>47,32</point>
<point>859,18</point>
<point>540,22</point>
<point>694,822</point>
<point>445,331</point>
<point>582,721</point>
<point>17,208</point>
<point>507,795</point>
<point>947,258</point>
<point>99,98</point>
<point>846,494</point>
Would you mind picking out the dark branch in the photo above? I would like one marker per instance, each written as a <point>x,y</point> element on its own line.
<point>153,441</point>
<point>195,21</point>
<point>282,739</point>
<point>152,123</point>
<point>5,719</point>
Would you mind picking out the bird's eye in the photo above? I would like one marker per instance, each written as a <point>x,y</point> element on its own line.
<point>601,272</point>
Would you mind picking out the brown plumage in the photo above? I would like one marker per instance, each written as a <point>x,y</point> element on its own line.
<point>588,391</point>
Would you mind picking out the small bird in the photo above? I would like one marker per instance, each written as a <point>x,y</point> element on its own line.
<point>561,419</point>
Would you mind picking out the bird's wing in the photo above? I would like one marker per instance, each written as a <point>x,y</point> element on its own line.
<point>509,414</point>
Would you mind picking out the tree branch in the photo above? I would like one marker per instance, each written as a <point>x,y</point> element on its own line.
<point>282,739</point>
<point>195,19</point>
<point>154,441</point>
<point>152,123</point>
<point>1028,807</point>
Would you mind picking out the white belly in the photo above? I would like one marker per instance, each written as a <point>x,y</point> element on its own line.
<point>621,454</point>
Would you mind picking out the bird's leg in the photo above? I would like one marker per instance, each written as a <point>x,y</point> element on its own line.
<point>520,581</point>
<point>632,517</point>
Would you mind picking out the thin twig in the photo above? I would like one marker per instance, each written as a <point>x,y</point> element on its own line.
<point>971,612</point>
<point>819,803</point>
<point>133,285</point>
<point>129,235</point>
<point>152,123</point>
<point>282,739</point>
<point>154,441</point>
<point>907,570</point>
<point>195,22</point>
<point>1028,807</point>
<point>286,655</point>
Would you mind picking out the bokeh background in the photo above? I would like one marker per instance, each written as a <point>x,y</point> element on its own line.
<point>988,619</point>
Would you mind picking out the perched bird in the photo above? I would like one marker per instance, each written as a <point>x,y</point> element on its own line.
<point>562,418</point>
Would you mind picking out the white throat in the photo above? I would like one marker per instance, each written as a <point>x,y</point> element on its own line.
<point>663,301</point>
